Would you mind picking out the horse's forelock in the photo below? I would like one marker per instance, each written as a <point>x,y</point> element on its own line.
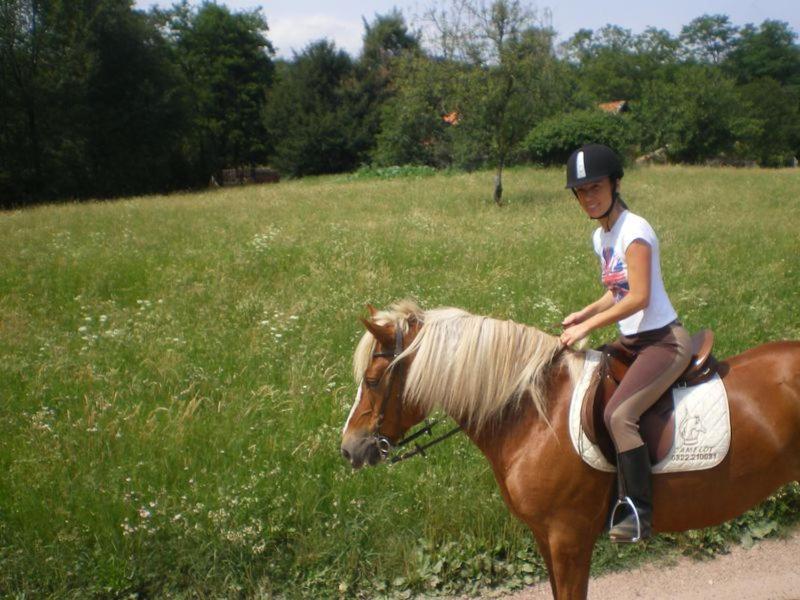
<point>402,313</point>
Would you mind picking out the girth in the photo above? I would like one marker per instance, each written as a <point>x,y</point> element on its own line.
<point>657,424</point>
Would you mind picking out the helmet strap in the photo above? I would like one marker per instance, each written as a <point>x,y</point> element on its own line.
<point>614,197</point>
<point>610,208</point>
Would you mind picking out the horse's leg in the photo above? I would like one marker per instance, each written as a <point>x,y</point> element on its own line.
<point>544,550</point>
<point>571,557</point>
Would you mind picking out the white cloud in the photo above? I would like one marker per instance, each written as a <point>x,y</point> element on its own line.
<point>295,33</point>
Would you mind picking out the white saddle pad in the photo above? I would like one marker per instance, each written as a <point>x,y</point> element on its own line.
<point>702,425</point>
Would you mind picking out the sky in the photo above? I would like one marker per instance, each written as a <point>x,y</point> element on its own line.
<point>294,24</point>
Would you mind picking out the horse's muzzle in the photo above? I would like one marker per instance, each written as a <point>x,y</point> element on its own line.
<point>362,450</point>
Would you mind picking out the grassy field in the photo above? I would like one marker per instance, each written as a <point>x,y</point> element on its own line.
<point>175,373</point>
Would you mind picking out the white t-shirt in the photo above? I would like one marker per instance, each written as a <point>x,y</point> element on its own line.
<point>610,247</point>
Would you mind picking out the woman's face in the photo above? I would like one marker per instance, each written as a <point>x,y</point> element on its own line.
<point>595,197</point>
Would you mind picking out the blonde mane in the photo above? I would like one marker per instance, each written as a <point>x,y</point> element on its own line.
<point>470,366</point>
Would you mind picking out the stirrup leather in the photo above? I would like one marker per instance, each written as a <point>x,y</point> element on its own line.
<point>622,502</point>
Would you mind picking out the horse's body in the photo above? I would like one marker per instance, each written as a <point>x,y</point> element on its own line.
<point>565,502</point>
<point>567,509</point>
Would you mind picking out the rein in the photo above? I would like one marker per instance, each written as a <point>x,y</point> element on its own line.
<point>385,446</point>
<point>426,429</point>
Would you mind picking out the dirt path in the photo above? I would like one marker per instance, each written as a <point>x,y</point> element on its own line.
<point>770,570</point>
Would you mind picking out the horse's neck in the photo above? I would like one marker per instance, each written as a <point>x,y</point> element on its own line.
<point>524,431</point>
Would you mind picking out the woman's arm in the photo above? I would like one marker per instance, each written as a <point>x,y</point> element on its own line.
<point>605,302</point>
<point>638,258</point>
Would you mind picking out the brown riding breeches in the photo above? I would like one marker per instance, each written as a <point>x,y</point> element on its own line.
<point>663,354</point>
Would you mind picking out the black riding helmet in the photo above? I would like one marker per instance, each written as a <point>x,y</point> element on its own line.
<point>593,162</point>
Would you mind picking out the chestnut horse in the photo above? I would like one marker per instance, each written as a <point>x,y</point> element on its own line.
<point>509,386</point>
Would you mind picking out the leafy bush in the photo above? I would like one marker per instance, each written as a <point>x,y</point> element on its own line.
<point>553,140</point>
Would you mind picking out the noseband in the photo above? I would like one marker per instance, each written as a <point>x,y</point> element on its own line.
<point>383,443</point>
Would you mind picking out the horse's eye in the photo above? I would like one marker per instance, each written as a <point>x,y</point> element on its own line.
<point>372,383</point>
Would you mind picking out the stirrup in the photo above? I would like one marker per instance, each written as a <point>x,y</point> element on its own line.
<point>621,502</point>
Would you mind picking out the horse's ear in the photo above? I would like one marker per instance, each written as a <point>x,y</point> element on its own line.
<point>372,310</point>
<point>383,333</point>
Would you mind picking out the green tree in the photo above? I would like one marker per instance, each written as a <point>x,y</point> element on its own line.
<point>90,105</point>
<point>708,38</point>
<point>767,51</point>
<point>226,61</point>
<point>412,130</point>
<point>386,41</point>
<point>656,48</point>
<point>695,112</point>
<point>309,114</point>
<point>43,70</point>
<point>135,105</point>
<point>605,62</point>
<point>508,54</point>
<point>615,64</point>
<point>774,135</point>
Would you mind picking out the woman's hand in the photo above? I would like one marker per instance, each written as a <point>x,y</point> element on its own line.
<point>572,319</point>
<point>574,334</point>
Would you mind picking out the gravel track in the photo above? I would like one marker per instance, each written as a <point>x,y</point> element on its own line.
<point>769,570</point>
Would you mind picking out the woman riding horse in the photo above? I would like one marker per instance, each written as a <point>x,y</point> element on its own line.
<point>636,300</point>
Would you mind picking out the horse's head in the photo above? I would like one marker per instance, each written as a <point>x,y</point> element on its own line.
<point>379,418</point>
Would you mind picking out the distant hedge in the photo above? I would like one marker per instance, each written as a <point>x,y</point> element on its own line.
<point>553,140</point>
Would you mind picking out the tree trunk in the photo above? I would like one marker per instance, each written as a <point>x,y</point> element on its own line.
<point>498,184</point>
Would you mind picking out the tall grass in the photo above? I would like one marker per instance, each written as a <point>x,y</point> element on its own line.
<point>174,373</point>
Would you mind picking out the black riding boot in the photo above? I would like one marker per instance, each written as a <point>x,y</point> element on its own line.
<point>635,497</point>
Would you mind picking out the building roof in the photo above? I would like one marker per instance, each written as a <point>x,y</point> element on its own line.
<point>615,107</point>
<point>451,118</point>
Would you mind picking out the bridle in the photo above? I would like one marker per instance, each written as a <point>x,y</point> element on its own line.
<point>384,444</point>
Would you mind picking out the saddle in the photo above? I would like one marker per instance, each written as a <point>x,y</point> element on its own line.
<point>657,424</point>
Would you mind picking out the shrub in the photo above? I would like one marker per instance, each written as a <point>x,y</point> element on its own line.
<point>554,139</point>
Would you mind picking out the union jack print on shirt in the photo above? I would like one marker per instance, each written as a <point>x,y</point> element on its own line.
<point>615,275</point>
